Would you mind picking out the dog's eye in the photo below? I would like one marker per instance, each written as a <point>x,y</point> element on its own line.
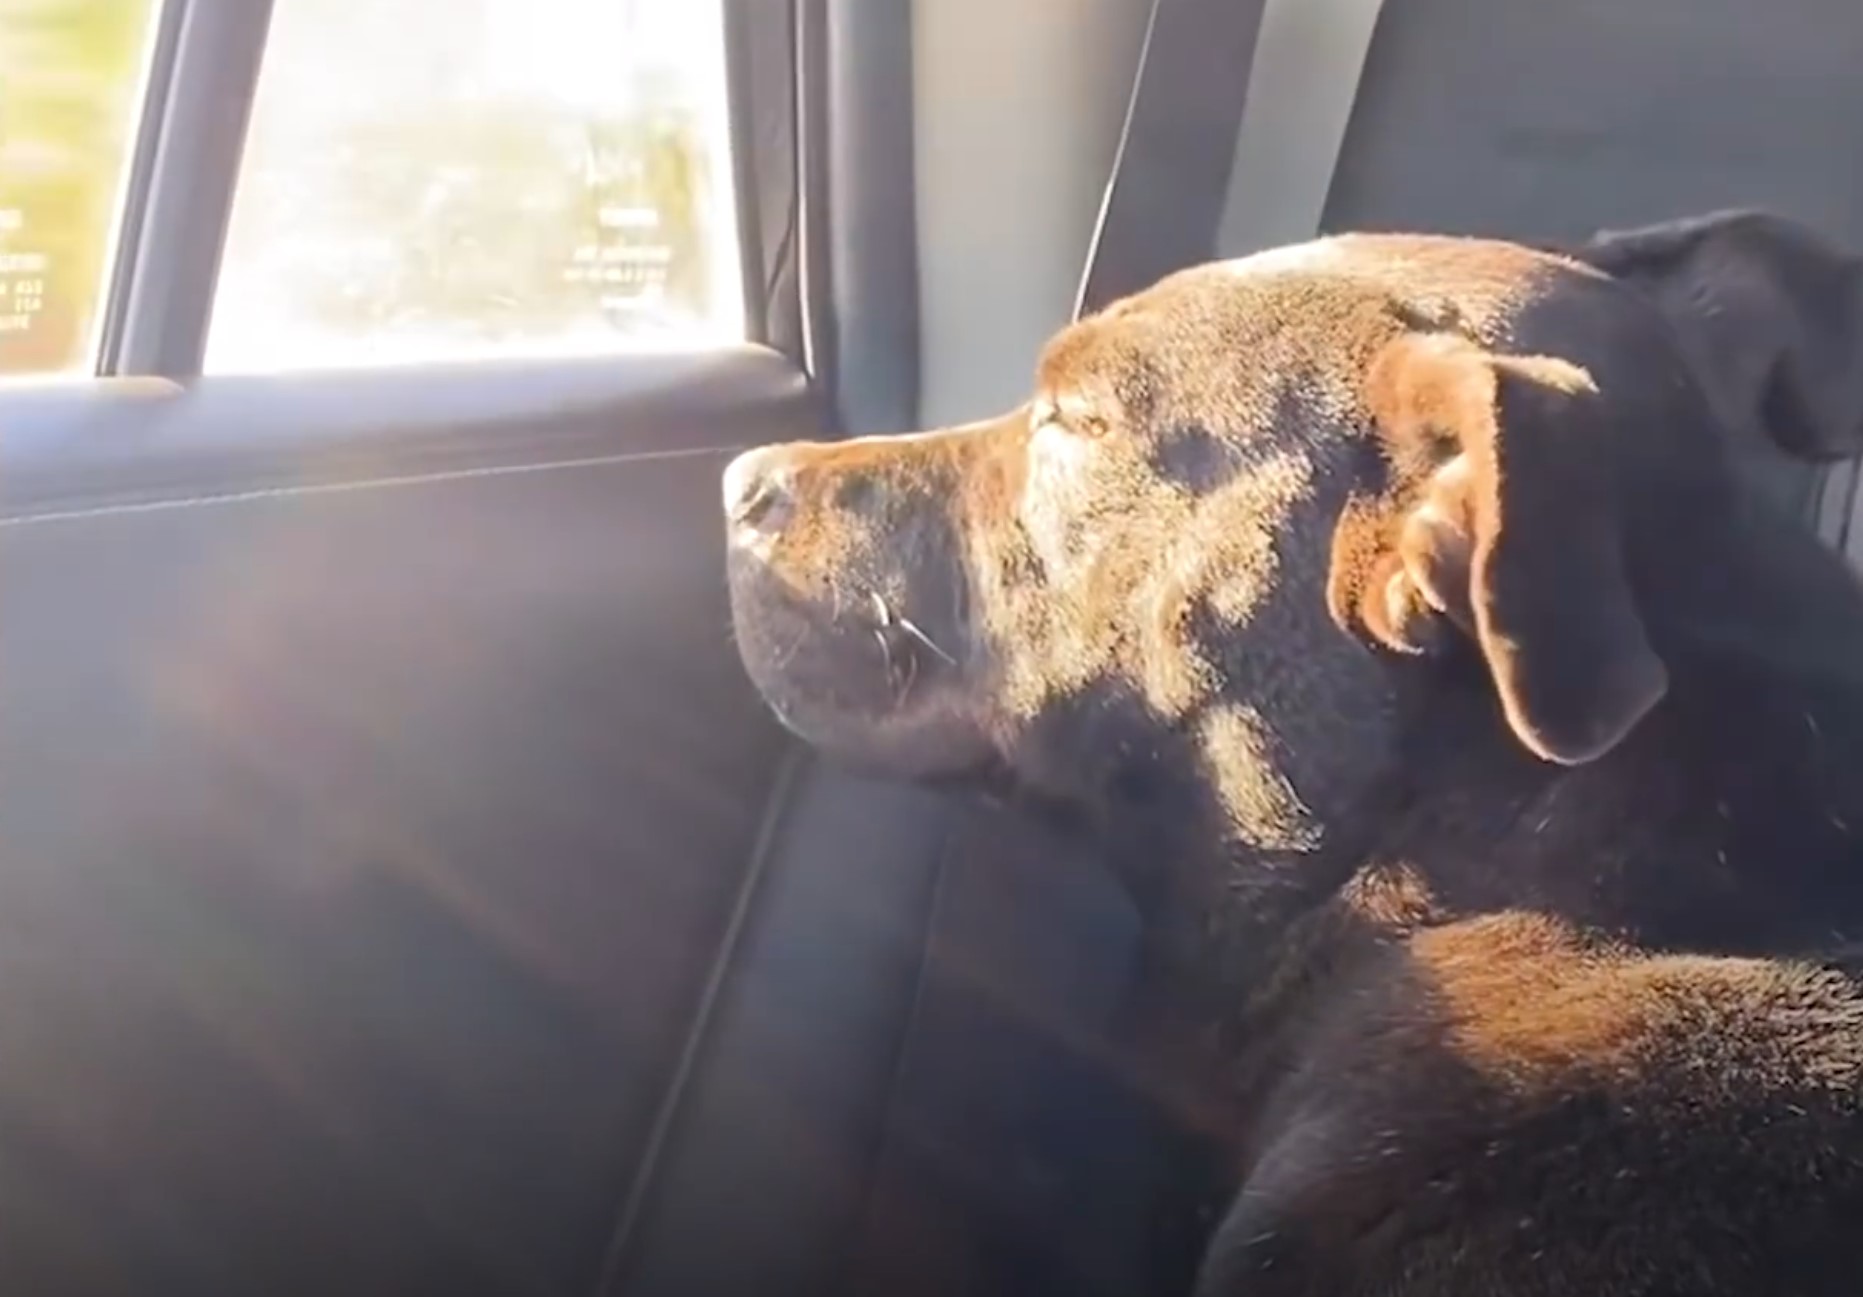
<point>1073,420</point>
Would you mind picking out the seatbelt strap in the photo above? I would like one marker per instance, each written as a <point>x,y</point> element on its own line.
<point>1231,135</point>
<point>1171,174</point>
<point>1309,61</point>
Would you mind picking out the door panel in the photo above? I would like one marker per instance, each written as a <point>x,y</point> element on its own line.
<point>377,778</point>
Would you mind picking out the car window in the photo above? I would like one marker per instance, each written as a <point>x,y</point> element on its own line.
<point>71,89</point>
<point>444,179</point>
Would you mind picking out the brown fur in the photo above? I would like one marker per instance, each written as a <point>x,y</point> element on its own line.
<point>1484,761</point>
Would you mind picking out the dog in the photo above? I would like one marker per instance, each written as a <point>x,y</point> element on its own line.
<point>1485,760</point>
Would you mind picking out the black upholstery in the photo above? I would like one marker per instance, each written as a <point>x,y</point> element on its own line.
<point>1549,121</point>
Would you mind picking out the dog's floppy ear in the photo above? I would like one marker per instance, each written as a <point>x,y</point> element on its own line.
<point>1507,527</point>
<point>1769,314</point>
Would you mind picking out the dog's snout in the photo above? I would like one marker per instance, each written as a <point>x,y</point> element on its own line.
<point>759,489</point>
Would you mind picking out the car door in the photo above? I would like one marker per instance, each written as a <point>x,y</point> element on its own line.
<point>377,778</point>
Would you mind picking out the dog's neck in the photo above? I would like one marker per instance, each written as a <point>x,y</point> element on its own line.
<point>1729,819</point>
<point>1724,823</point>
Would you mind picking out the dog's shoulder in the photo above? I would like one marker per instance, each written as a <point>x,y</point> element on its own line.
<point>1505,1100</point>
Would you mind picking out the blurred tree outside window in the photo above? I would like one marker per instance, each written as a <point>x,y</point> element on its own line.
<point>447,179</point>
<point>71,87</point>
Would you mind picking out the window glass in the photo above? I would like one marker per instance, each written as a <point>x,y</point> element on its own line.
<point>71,88</point>
<point>443,179</point>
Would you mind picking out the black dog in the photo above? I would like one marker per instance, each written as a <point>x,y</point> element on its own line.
<point>1488,766</point>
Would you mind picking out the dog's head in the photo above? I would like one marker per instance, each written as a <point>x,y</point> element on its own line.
<point>1254,518</point>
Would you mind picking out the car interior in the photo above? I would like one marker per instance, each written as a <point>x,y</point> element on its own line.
<point>403,889</point>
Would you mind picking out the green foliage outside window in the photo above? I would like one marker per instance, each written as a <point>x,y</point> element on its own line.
<point>70,78</point>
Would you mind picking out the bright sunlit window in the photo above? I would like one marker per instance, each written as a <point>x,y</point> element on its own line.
<point>432,180</point>
<point>71,88</point>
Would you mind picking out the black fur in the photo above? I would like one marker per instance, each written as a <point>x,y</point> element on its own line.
<point>1486,761</point>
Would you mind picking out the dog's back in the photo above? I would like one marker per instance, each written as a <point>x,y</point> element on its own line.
<point>1504,1105</point>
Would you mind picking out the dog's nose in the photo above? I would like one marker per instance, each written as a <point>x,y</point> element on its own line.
<point>758,489</point>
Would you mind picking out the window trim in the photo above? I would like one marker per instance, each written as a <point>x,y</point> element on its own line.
<point>767,123</point>
<point>740,116</point>
<point>185,165</point>
<point>869,218</point>
<point>163,34</point>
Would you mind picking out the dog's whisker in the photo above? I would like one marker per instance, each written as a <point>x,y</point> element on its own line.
<point>788,655</point>
<point>900,674</point>
<point>911,628</point>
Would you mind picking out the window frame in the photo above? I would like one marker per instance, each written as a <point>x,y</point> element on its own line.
<point>177,199</point>
<point>190,139</point>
